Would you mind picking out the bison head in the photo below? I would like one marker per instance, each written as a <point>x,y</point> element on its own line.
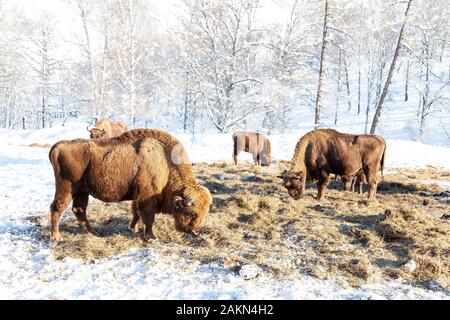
<point>191,208</point>
<point>294,182</point>
<point>97,133</point>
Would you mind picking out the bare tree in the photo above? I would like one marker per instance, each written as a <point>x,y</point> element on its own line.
<point>321,66</point>
<point>227,41</point>
<point>376,117</point>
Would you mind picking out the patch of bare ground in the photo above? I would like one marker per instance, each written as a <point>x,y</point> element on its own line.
<point>253,220</point>
<point>38,145</point>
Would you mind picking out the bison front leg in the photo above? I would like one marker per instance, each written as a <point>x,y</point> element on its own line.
<point>235,155</point>
<point>322,186</point>
<point>79,206</point>
<point>63,195</point>
<point>146,212</point>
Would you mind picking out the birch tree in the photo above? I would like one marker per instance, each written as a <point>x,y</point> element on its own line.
<point>376,117</point>
<point>321,66</point>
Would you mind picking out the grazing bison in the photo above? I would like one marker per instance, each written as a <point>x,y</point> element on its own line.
<point>254,143</point>
<point>147,166</point>
<point>321,152</point>
<point>104,128</point>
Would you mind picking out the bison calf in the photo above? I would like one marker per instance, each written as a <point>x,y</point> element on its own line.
<point>147,166</point>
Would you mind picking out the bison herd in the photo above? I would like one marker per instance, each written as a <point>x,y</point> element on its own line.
<point>151,168</point>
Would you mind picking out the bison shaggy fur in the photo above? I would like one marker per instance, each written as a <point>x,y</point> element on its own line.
<point>324,151</point>
<point>147,166</point>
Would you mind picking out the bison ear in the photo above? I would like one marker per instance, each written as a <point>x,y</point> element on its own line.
<point>180,202</point>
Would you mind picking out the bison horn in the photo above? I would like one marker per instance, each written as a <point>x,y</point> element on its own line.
<point>283,175</point>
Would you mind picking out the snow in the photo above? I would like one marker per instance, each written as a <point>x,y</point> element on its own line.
<point>28,269</point>
<point>214,147</point>
<point>443,184</point>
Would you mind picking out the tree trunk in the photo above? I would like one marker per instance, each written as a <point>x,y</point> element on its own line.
<point>186,102</point>
<point>407,79</point>
<point>376,117</point>
<point>380,80</point>
<point>426,94</point>
<point>347,82</point>
<point>322,58</point>
<point>369,98</point>
<point>359,88</point>
<point>338,88</point>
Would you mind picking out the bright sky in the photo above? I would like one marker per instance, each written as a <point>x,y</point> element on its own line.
<point>271,10</point>
<point>67,21</point>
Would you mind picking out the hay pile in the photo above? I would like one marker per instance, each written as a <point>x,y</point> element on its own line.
<point>253,220</point>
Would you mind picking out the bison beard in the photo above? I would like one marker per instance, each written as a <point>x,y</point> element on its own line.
<point>321,152</point>
<point>135,166</point>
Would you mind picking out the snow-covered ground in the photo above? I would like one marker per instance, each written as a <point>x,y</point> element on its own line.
<point>28,269</point>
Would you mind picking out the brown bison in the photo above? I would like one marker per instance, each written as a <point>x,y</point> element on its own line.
<point>321,152</point>
<point>104,128</point>
<point>147,166</point>
<point>254,143</point>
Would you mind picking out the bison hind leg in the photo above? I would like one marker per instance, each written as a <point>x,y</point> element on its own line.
<point>146,212</point>
<point>79,206</point>
<point>62,198</point>
<point>371,178</point>
<point>136,221</point>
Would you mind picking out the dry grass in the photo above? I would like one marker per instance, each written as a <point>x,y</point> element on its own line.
<point>38,145</point>
<point>253,220</point>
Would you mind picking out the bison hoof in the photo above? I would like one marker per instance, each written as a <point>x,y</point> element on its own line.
<point>372,202</point>
<point>56,237</point>
<point>148,237</point>
<point>134,229</point>
<point>92,233</point>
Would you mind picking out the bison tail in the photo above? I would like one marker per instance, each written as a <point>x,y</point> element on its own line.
<point>53,156</point>
<point>382,162</point>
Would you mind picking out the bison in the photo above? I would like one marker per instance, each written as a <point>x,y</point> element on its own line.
<point>147,166</point>
<point>104,128</point>
<point>321,152</point>
<point>254,143</point>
